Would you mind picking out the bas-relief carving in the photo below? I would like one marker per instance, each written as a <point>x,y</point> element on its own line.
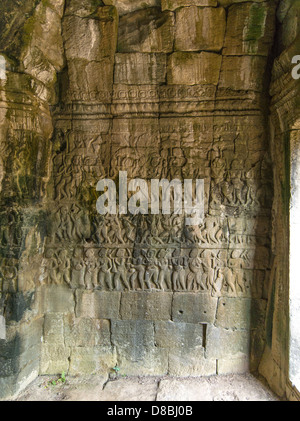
<point>102,128</point>
<point>158,252</point>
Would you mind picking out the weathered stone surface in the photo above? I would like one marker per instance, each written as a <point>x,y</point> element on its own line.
<point>184,390</point>
<point>250,29</point>
<point>200,29</point>
<point>53,332</point>
<point>149,306</point>
<point>131,389</point>
<point>149,293</point>
<point>98,304</point>
<point>136,353</point>
<point>175,4</point>
<point>240,313</point>
<point>128,6</point>
<point>236,364</point>
<point>223,342</point>
<point>91,360</point>
<point>226,3</point>
<point>86,332</point>
<point>243,73</point>
<point>193,362</point>
<point>139,68</point>
<point>194,308</point>
<point>81,8</point>
<point>90,70</point>
<point>43,53</point>
<point>193,68</point>
<point>56,299</point>
<point>178,335</point>
<point>54,359</point>
<point>146,31</point>
<point>132,338</point>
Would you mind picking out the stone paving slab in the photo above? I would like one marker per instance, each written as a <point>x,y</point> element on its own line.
<point>100,388</point>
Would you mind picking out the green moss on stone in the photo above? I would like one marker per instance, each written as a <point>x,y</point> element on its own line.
<point>256,26</point>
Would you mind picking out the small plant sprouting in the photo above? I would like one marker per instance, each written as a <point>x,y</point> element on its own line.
<point>61,379</point>
<point>116,369</point>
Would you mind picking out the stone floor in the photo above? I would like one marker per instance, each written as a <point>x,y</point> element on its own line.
<point>96,388</point>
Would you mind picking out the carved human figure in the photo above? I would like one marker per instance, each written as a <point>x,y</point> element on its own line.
<point>50,264</point>
<point>120,271</point>
<point>196,268</point>
<point>63,268</point>
<point>91,269</point>
<point>152,271</point>
<point>77,269</point>
<point>164,277</point>
<point>104,274</point>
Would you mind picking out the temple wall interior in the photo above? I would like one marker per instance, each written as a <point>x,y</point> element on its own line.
<point>168,89</point>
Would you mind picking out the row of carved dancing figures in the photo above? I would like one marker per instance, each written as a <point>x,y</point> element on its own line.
<point>71,223</point>
<point>98,271</point>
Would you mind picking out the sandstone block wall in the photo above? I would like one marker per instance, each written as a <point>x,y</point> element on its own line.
<point>169,89</point>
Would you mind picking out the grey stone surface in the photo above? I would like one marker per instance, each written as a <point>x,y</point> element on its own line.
<point>194,308</point>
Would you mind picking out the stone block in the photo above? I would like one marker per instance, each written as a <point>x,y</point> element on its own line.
<point>132,339</point>
<point>86,332</point>
<point>146,305</point>
<point>178,335</point>
<point>233,365</point>
<point>128,6</point>
<point>200,29</point>
<point>140,68</point>
<point>190,363</point>
<point>153,363</point>
<point>80,8</point>
<point>98,304</point>
<point>90,80</point>
<point>240,313</point>
<point>250,29</point>
<point>146,31</point>
<point>184,390</point>
<point>222,343</point>
<point>243,73</point>
<point>54,359</point>
<point>175,4</point>
<point>54,329</point>
<point>56,299</point>
<point>100,35</point>
<point>186,68</point>
<point>194,307</point>
<point>91,360</point>
<point>226,3</point>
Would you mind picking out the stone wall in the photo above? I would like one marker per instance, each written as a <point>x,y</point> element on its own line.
<point>170,89</point>
<point>282,321</point>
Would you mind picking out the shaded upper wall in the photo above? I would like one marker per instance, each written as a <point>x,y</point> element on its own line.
<point>194,115</point>
<point>284,129</point>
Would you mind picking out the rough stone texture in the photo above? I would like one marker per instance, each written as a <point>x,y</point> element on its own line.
<point>193,68</point>
<point>146,31</point>
<point>140,68</point>
<point>194,308</point>
<point>85,95</point>
<point>200,29</point>
<point>278,364</point>
<point>175,4</point>
<point>141,306</point>
<point>244,73</point>
<point>250,29</point>
<point>128,6</point>
<point>99,388</point>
